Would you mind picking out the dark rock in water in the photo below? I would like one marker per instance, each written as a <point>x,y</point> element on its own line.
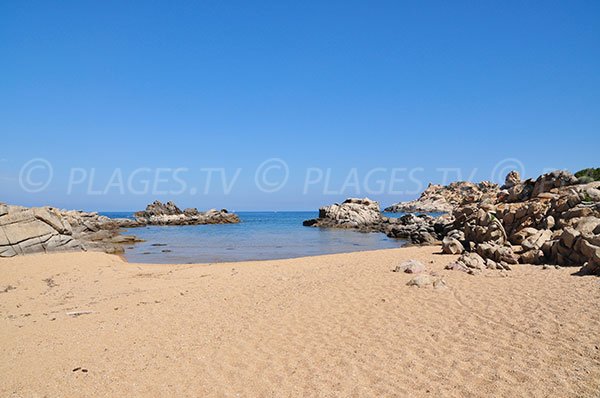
<point>158,213</point>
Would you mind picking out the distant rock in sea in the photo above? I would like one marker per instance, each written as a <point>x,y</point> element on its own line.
<point>159,213</point>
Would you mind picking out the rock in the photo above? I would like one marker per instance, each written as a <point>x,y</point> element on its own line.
<point>158,213</point>
<point>410,267</point>
<point>554,219</point>
<point>588,250</point>
<point>555,179</point>
<point>352,213</point>
<point>472,260</point>
<point>479,225</point>
<point>568,237</point>
<point>587,225</point>
<point>25,231</point>
<point>497,253</point>
<point>513,178</point>
<point>537,240</point>
<point>549,222</point>
<point>491,264</point>
<point>458,266</point>
<point>443,199</point>
<point>439,284</point>
<point>590,268</point>
<point>421,280</point>
<point>533,256</point>
<point>419,229</point>
<point>452,246</point>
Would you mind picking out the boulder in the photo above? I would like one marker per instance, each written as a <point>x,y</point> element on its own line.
<point>537,240</point>
<point>555,179</point>
<point>512,178</point>
<point>421,280</point>
<point>352,213</point>
<point>410,267</point>
<point>452,246</point>
<point>24,231</point>
<point>472,260</point>
<point>458,266</point>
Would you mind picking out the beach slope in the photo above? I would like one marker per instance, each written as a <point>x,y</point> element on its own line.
<point>90,324</point>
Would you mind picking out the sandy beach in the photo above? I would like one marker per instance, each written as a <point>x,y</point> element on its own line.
<point>90,324</point>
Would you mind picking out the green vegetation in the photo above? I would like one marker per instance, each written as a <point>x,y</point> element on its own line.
<point>588,175</point>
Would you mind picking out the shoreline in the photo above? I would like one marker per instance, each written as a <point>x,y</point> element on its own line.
<point>334,325</point>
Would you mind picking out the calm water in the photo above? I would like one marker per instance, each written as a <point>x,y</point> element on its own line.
<point>259,236</point>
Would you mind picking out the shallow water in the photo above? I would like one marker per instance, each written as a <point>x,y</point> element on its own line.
<point>259,236</point>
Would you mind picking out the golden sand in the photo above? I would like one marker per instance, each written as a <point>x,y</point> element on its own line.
<point>90,324</point>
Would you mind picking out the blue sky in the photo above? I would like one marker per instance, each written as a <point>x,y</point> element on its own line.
<point>419,86</point>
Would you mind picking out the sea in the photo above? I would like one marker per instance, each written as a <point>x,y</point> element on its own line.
<point>259,236</point>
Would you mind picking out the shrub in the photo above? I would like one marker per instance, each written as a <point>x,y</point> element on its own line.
<point>588,175</point>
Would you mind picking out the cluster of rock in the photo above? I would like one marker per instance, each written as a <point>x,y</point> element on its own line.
<point>444,199</point>
<point>423,278</point>
<point>46,229</point>
<point>364,215</point>
<point>551,220</point>
<point>158,213</point>
<point>554,219</point>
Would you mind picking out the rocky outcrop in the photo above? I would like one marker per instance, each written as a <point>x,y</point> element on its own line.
<point>417,229</point>
<point>364,215</point>
<point>46,229</point>
<point>360,214</point>
<point>168,213</point>
<point>444,199</point>
<point>551,220</point>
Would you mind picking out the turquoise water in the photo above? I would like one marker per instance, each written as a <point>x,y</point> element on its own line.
<point>259,236</point>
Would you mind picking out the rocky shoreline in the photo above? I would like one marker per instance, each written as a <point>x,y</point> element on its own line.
<point>46,229</point>
<point>554,219</point>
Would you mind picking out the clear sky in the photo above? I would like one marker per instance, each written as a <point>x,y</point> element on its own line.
<point>346,87</point>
